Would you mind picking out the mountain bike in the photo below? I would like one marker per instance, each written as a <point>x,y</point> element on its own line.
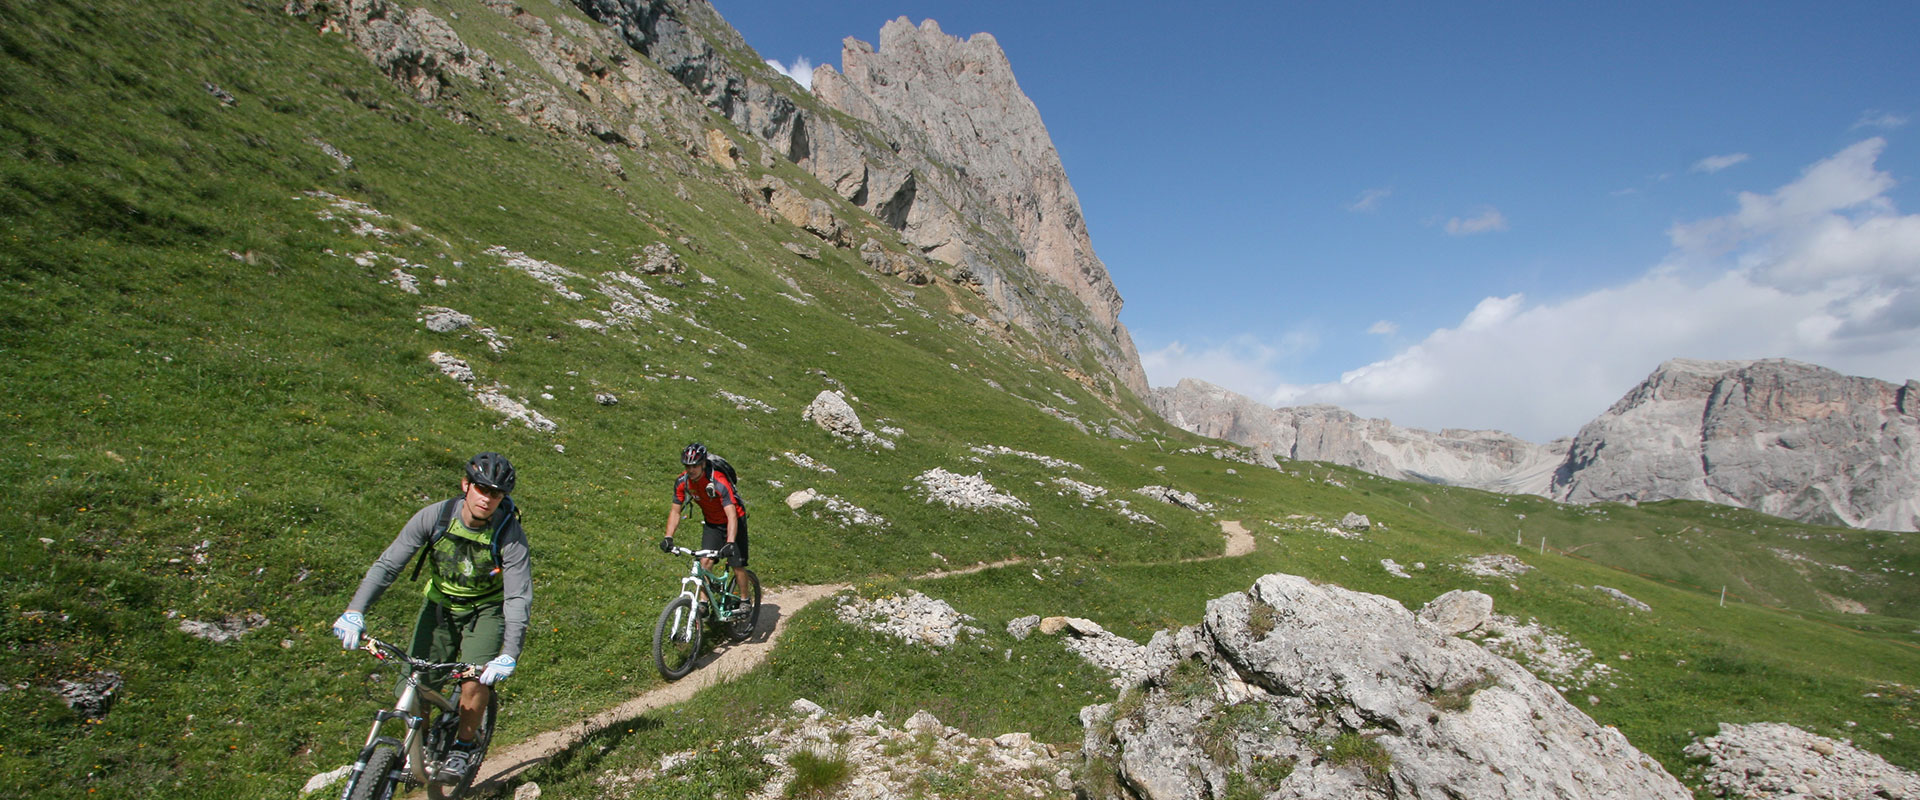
<point>729,602</point>
<point>430,721</point>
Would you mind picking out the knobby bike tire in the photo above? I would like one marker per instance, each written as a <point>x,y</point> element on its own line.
<point>437,753</point>
<point>377,782</point>
<point>676,638</point>
<point>742,625</point>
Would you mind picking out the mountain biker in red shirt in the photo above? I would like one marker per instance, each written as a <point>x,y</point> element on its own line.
<point>723,514</point>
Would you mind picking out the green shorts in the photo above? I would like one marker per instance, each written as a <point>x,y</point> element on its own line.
<point>473,635</point>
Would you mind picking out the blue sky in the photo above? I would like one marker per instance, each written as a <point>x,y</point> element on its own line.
<point>1469,215</point>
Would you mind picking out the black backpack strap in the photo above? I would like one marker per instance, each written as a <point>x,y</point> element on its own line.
<point>439,531</point>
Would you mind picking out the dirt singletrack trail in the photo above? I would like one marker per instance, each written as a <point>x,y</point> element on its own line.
<point>725,663</point>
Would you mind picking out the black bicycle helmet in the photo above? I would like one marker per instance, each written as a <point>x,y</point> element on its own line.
<point>491,470</point>
<point>695,453</point>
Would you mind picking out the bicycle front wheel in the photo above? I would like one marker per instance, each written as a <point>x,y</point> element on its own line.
<point>747,616</point>
<point>377,782</point>
<point>676,638</point>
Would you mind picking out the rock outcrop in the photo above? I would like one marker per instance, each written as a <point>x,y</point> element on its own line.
<point>1772,759</point>
<point>1319,692</point>
<point>1778,436</point>
<point>1781,437</point>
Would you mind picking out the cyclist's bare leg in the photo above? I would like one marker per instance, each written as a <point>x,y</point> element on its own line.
<point>473,706</point>
<point>706,564</point>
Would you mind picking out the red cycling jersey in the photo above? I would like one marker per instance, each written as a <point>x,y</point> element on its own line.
<point>713,494</point>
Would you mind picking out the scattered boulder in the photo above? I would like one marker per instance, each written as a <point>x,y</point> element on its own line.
<point>1121,657</point>
<point>1185,500</point>
<point>1771,759</point>
<point>912,617</point>
<point>440,319</point>
<point>1623,598</point>
<point>657,259</point>
<point>1022,627</point>
<point>1496,565</point>
<point>226,630</point>
<point>964,491</point>
<point>514,410</point>
<point>452,366</point>
<point>1313,691</point>
<point>1458,611</point>
<point>1355,521</point>
<point>606,398</point>
<point>91,697</point>
<point>801,498</point>
<point>327,779</point>
<point>830,411</point>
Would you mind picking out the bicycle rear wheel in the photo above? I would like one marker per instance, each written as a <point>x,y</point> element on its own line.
<point>439,746</point>
<point>377,781</point>
<point>745,618</point>
<point>676,638</point>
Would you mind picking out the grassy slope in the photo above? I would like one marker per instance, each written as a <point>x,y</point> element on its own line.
<point>192,357</point>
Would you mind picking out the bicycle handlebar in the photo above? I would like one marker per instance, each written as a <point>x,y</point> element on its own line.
<point>682,551</point>
<point>454,669</point>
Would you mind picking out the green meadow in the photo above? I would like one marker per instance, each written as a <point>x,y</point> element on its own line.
<point>220,403</point>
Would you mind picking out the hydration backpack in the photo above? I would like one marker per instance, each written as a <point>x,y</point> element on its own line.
<point>720,465</point>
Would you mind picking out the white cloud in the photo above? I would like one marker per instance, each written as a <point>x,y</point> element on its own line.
<point>1383,328</point>
<point>1488,220</point>
<point>1716,163</point>
<point>1880,119</point>
<point>1244,364</point>
<point>1822,270</point>
<point>1369,200</point>
<point>801,72</point>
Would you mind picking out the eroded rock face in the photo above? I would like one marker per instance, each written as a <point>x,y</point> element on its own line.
<point>1321,692</point>
<point>1778,436</point>
<point>949,152</point>
<point>1481,459</point>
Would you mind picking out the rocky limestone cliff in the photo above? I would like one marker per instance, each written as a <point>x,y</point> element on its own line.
<point>957,101</point>
<point>933,138</point>
<point>1310,691</point>
<point>1778,436</point>
<point>1481,459</point>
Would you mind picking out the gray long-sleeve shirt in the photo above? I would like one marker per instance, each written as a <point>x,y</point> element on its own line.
<point>516,567</point>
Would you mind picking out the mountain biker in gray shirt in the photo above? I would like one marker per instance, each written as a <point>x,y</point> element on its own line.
<point>477,596</point>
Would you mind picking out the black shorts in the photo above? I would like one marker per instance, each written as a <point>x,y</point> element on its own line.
<point>713,536</point>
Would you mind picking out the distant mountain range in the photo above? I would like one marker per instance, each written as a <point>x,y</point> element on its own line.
<point>1782,437</point>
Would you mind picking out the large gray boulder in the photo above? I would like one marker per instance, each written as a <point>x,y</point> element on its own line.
<point>1320,692</point>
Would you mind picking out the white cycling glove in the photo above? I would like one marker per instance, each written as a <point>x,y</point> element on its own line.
<point>496,669</point>
<point>348,628</point>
